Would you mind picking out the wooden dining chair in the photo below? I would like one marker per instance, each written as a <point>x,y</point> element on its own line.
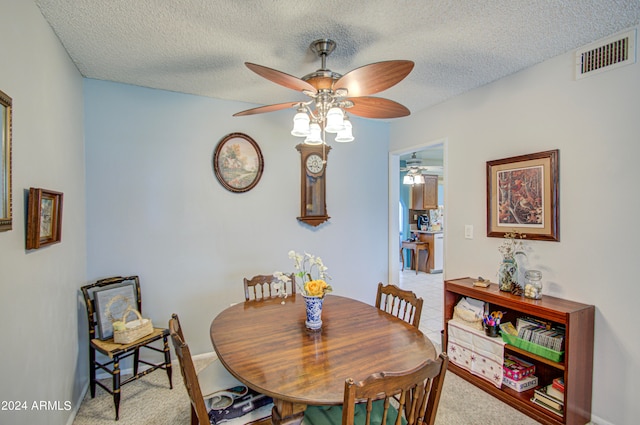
<point>261,286</point>
<point>96,297</point>
<point>205,385</point>
<point>369,402</point>
<point>199,414</point>
<point>401,303</point>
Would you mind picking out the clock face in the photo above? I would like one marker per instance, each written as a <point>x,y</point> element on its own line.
<point>314,163</point>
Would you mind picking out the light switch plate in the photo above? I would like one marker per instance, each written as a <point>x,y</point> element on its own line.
<point>468,231</point>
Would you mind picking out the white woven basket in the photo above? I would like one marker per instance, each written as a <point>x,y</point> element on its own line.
<point>134,330</point>
<point>467,317</point>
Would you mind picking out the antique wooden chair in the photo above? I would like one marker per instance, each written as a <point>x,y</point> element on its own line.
<point>199,414</point>
<point>202,385</point>
<point>399,302</point>
<point>369,402</point>
<point>260,287</point>
<point>103,289</point>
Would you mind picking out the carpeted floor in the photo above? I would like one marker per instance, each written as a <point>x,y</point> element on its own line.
<point>149,401</point>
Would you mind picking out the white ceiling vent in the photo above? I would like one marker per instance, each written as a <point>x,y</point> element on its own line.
<point>604,55</point>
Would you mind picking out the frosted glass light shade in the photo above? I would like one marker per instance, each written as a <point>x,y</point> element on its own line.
<point>335,119</point>
<point>407,179</point>
<point>300,125</point>
<point>314,137</point>
<point>345,134</point>
<point>418,179</point>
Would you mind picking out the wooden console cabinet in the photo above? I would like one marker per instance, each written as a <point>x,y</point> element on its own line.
<point>576,366</point>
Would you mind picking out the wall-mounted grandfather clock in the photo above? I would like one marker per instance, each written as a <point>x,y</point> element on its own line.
<point>313,183</point>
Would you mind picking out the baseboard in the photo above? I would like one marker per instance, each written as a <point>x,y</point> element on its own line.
<point>598,421</point>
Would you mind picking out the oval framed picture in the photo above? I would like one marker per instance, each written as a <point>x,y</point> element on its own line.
<point>238,162</point>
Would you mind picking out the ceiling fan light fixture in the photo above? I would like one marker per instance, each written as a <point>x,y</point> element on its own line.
<point>335,120</point>
<point>300,124</point>
<point>345,135</point>
<point>418,179</point>
<point>407,179</point>
<point>328,91</point>
<point>314,137</point>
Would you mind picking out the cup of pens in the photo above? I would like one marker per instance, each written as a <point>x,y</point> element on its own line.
<point>492,323</point>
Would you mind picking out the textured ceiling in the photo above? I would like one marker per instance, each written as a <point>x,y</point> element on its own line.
<point>199,46</point>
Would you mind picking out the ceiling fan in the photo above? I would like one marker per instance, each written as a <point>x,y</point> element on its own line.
<point>414,164</point>
<point>330,90</point>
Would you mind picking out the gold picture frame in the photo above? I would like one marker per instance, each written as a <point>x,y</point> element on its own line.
<point>238,162</point>
<point>44,218</point>
<point>6,214</point>
<point>522,196</point>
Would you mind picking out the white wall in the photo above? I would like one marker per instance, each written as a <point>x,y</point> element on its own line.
<point>155,208</point>
<point>594,123</point>
<point>39,289</point>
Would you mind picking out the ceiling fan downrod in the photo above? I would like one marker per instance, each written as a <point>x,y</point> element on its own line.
<point>323,48</point>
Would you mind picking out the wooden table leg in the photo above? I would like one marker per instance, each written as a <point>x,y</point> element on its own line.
<point>287,413</point>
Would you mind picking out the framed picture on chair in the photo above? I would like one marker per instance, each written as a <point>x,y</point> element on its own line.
<point>111,304</point>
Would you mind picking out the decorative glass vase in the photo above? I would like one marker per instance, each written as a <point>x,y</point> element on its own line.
<point>508,274</point>
<point>533,286</point>
<point>314,312</point>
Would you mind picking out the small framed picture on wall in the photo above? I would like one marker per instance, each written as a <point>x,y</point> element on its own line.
<point>44,218</point>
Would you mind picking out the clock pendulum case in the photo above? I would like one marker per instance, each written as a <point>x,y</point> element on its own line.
<point>313,182</point>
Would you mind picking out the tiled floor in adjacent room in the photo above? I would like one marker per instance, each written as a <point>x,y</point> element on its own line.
<point>429,286</point>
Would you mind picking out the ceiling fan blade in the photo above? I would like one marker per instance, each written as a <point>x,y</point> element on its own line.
<point>278,77</point>
<point>374,78</point>
<point>266,108</point>
<point>377,107</point>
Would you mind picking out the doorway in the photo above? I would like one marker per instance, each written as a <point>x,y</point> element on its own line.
<point>429,286</point>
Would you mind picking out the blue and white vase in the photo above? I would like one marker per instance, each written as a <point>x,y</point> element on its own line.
<point>314,312</point>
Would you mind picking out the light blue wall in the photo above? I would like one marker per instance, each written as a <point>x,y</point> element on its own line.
<point>155,208</point>
<point>405,200</point>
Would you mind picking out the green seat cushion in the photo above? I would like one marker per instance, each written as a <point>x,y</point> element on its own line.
<point>332,415</point>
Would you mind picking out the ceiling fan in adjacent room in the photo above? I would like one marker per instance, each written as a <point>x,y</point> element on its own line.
<point>333,95</point>
<point>415,169</point>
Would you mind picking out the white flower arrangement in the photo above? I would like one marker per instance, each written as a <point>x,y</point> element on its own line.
<point>312,273</point>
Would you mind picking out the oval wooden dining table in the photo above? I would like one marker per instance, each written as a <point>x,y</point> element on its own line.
<point>266,346</point>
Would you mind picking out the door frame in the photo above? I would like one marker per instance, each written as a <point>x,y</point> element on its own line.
<point>394,200</point>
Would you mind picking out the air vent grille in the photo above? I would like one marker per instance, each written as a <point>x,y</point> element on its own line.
<point>605,55</point>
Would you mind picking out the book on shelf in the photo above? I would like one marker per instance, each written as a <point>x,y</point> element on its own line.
<point>554,392</point>
<point>549,408</point>
<point>558,384</point>
<point>541,395</point>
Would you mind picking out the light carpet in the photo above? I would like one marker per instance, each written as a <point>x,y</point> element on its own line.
<point>149,401</point>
